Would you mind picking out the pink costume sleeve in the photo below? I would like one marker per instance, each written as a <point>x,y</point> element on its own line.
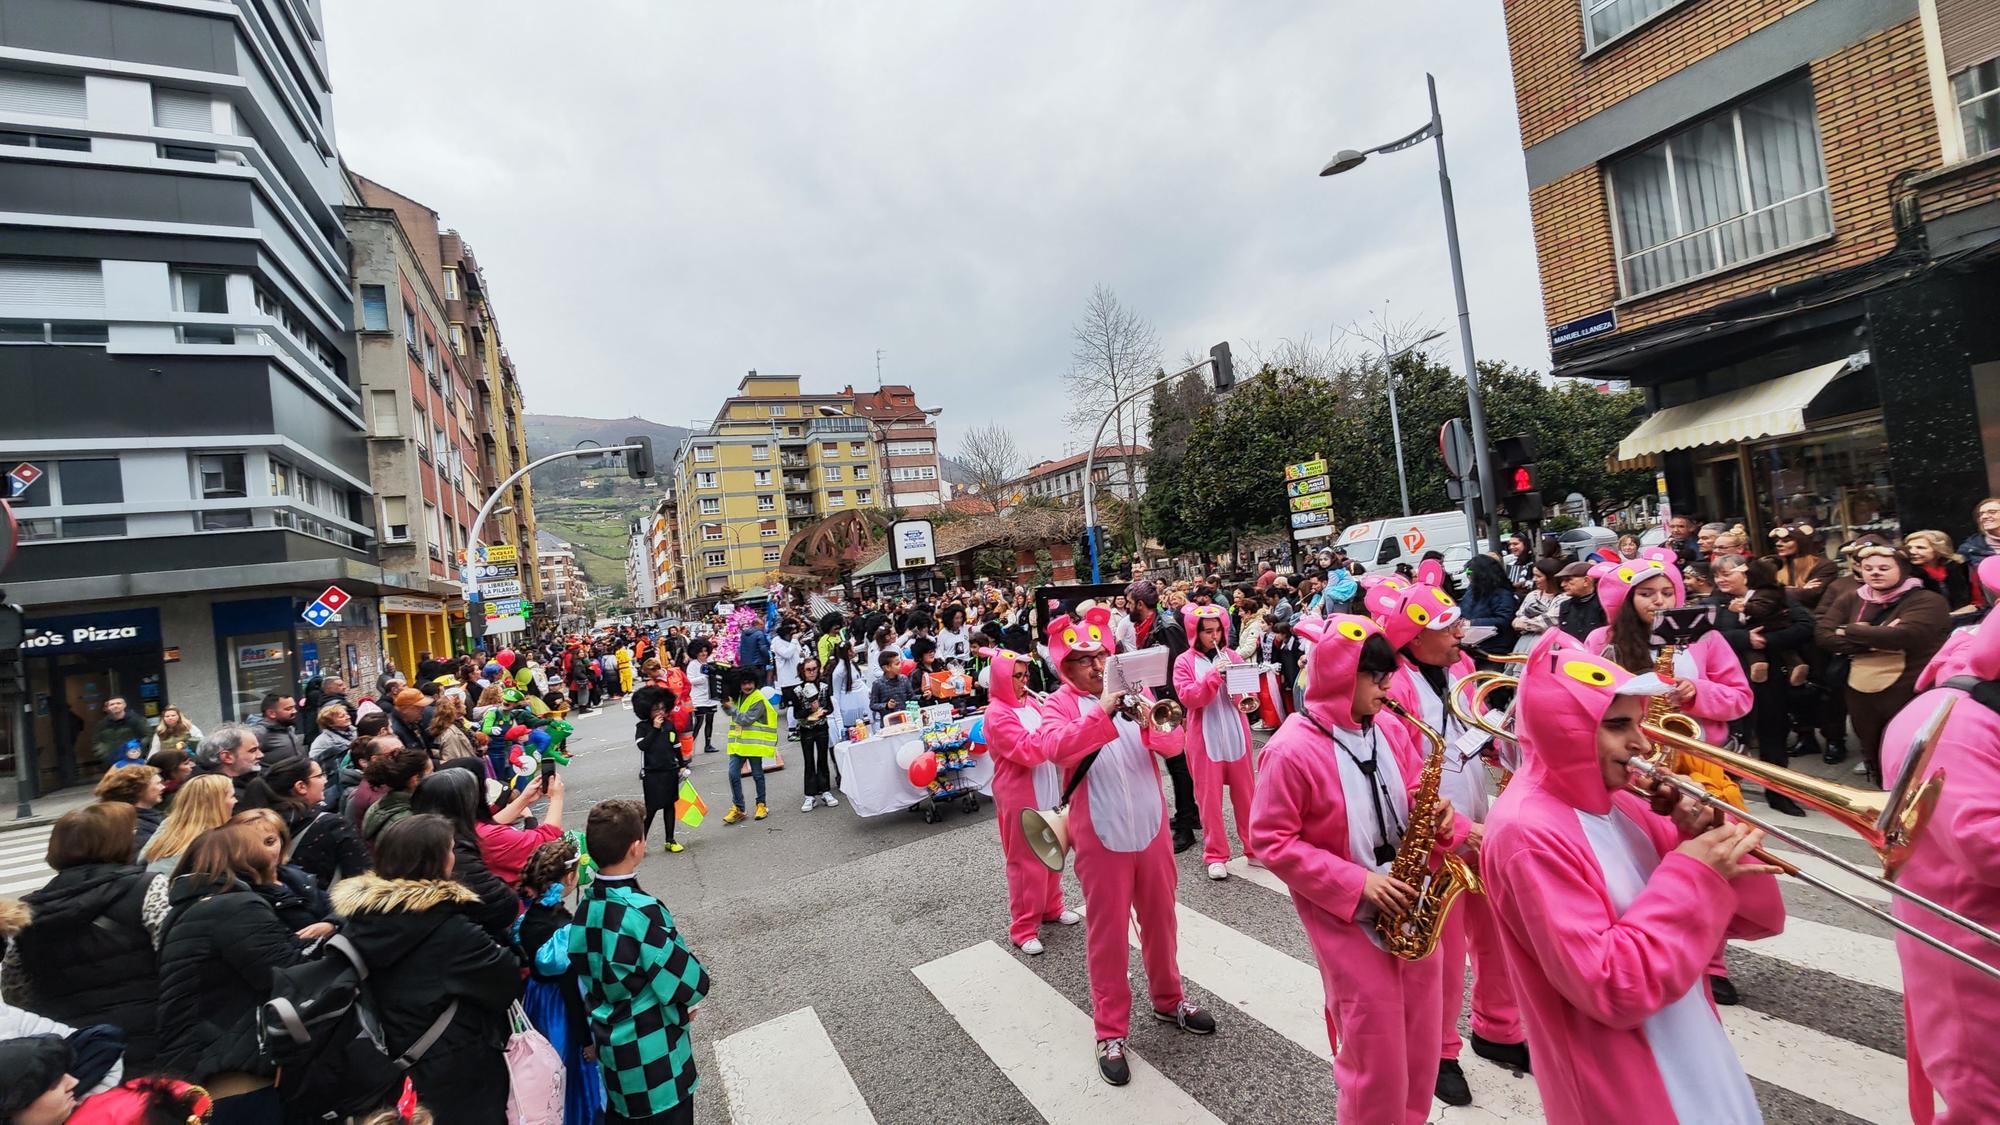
<point>1065,737</point>
<point>1721,692</point>
<point>1010,741</point>
<point>1971,835</point>
<point>1194,689</point>
<point>1330,882</point>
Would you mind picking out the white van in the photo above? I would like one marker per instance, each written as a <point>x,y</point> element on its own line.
<point>1381,544</point>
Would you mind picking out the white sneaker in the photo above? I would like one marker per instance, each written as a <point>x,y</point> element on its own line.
<point>1032,947</point>
<point>1861,767</point>
<point>1218,872</point>
<point>829,800</point>
<point>1068,917</point>
<point>808,806</point>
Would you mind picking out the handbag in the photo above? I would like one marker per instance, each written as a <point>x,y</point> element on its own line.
<point>534,1074</point>
<point>1875,670</point>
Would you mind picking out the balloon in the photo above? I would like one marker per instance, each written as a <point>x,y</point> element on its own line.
<point>923,771</point>
<point>908,667</point>
<point>505,659</point>
<point>539,739</point>
<point>978,732</point>
<point>516,733</point>
<point>908,752</point>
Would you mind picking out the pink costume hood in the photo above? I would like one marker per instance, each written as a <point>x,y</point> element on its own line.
<point>1333,666</point>
<point>1615,580</point>
<point>1192,616</point>
<point>1089,634</point>
<point>1565,691</point>
<point>1969,652</point>
<point>1000,685</point>
<point>1404,609</point>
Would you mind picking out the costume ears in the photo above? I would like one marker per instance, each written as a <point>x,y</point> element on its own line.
<point>1430,572</point>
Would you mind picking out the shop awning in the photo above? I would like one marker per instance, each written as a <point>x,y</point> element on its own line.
<point>1769,409</point>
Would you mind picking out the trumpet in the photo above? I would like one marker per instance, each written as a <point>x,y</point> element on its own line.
<point>1892,824</point>
<point>1248,704</point>
<point>1163,716</point>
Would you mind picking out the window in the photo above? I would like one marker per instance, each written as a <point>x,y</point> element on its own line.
<point>711,533</point>
<point>431,358</point>
<point>909,448</point>
<point>771,555</point>
<point>374,308</point>
<point>705,479</point>
<point>451,285</point>
<point>710,505</point>
<point>857,449</point>
<point>763,478</point>
<point>410,327</point>
<point>777,410</point>
<point>1738,185</point>
<point>1605,20</point>
<point>829,449</point>
<point>1977,90</point>
<point>395,519</point>
<point>831,473</point>
<point>433,531</point>
<point>864,496</point>
<point>59,141</point>
<point>187,152</point>
<point>760,453</point>
<point>704,453</point>
<point>860,472</point>
<point>190,111</point>
<point>422,434</point>
<point>836,499</point>
<point>221,476</point>
<point>202,292</point>
<point>767,503</point>
<point>76,284</point>
<point>767,528</point>
<point>713,559</point>
<point>94,480</point>
<point>458,338</point>
<point>923,472</point>
<point>281,479</point>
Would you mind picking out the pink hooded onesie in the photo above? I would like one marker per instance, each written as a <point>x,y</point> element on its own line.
<point>1218,737</point>
<point>1118,820</point>
<point>1721,691</point>
<point>1404,611</point>
<point>1330,787</point>
<point>1948,1006</point>
<point>1023,778</point>
<point>1608,930</point>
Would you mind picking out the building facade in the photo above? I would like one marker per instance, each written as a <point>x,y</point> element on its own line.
<point>1062,480</point>
<point>565,591</point>
<point>907,434</point>
<point>774,459</point>
<point>1780,219</point>
<point>641,583</point>
<point>474,335</point>
<point>175,346</point>
<point>669,570</point>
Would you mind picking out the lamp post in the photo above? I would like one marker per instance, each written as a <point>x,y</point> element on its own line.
<point>1396,418</point>
<point>1433,130</point>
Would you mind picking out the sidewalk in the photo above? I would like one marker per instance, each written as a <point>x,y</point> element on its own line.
<point>47,807</point>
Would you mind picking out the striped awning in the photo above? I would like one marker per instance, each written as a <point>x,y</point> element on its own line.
<point>1772,408</point>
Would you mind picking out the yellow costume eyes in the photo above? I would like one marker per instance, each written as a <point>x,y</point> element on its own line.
<point>1353,631</point>
<point>1069,637</point>
<point>1442,597</point>
<point>1626,574</point>
<point>1418,614</point>
<point>1583,671</point>
<point>1096,634</point>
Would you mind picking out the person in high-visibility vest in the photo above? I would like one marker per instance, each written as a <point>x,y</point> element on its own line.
<point>753,736</point>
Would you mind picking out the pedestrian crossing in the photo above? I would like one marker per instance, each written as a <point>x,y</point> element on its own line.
<point>23,865</point>
<point>1034,1030</point>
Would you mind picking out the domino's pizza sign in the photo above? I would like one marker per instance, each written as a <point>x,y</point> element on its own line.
<point>325,607</point>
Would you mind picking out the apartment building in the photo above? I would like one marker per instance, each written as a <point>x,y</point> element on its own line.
<point>1780,219</point>
<point>669,568</point>
<point>641,582</point>
<point>175,346</point>
<point>474,335</point>
<point>565,590</point>
<point>907,434</point>
<point>1062,479</point>
<point>775,459</point>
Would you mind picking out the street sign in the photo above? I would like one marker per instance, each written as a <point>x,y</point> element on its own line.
<point>486,572</point>
<point>333,597</point>
<point>508,608</point>
<point>1313,468</point>
<point>317,615</point>
<point>503,589</point>
<point>1303,520</point>
<point>497,553</point>
<point>1583,328</point>
<point>912,544</point>
<point>22,477</point>
<point>1455,446</point>
<point>1312,503</point>
<point>498,625</point>
<point>1308,486</point>
<point>1313,533</point>
<point>1577,507</point>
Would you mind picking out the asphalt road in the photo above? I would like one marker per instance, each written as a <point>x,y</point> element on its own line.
<point>862,973</point>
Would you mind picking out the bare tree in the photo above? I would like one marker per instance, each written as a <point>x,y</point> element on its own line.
<point>988,453</point>
<point>1114,352</point>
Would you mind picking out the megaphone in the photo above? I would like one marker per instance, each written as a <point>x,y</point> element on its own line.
<point>1047,832</point>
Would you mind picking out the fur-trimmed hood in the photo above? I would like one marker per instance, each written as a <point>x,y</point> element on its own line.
<point>14,916</point>
<point>372,894</point>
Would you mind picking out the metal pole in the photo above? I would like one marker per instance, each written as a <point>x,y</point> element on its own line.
<point>1475,408</point>
<point>479,521</point>
<point>1090,466</point>
<point>1396,424</point>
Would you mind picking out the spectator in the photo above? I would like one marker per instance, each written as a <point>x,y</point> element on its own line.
<point>1681,540</point>
<point>427,958</point>
<point>273,727</point>
<point>641,985</point>
<point>447,730</point>
<point>406,719</point>
<point>1705,539</point>
<point>86,956</point>
<point>1763,625</point>
<point>205,802</point>
<point>455,795</point>
<point>333,693</point>
<point>504,842</point>
<point>98,1053</point>
<point>395,774</point>
<point>222,943</point>
<point>1490,602</point>
<point>175,767</point>
<point>296,897</point>
<point>1541,609</point>
<point>1520,565</point>
<point>892,690</point>
<point>174,732</point>
<point>121,737</point>
<point>336,734</point>
<point>1889,627</point>
<point>1700,579</point>
<point>317,842</point>
<point>1986,540</point>
<point>1941,569</point>
<point>1582,613</point>
<point>753,651</point>
<point>36,1087</point>
<point>1801,564</point>
<point>140,787</point>
<point>231,751</point>
<point>1628,546</point>
<point>553,997</point>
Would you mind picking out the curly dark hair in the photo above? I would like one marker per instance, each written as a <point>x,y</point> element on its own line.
<point>548,865</point>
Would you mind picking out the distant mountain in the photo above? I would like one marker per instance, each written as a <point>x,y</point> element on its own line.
<point>548,433</point>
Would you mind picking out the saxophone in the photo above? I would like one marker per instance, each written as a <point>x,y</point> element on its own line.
<point>1414,935</point>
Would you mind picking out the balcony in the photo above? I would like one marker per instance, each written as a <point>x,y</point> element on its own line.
<point>799,511</point>
<point>798,483</point>
<point>792,461</point>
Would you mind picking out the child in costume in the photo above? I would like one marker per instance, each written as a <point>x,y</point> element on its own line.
<point>1023,778</point>
<point>553,996</point>
<point>1609,912</point>
<point>753,737</point>
<point>1218,734</point>
<point>1331,810</point>
<point>811,704</point>
<point>665,749</point>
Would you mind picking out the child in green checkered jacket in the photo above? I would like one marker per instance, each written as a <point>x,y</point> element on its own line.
<point>641,986</point>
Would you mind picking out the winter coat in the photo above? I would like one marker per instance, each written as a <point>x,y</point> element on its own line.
<point>217,955</point>
<point>753,649</point>
<point>391,808</point>
<point>1495,610</point>
<point>121,740</point>
<point>330,745</point>
<point>498,906</point>
<point>296,898</point>
<point>87,957</point>
<point>279,740</point>
<point>324,846</point>
<point>453,742</point>
<point>424,950</point>
<point>185,740</point>
<point>142,830</point>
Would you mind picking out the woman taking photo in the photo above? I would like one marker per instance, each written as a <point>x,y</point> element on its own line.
<point>455,794</point>
<point>204,802</point>
<point>320,843</point>
<point>1888,628</point>
<point>174,732</point>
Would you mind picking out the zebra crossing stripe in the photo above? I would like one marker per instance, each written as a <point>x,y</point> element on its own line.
<point>1830,949</point>
<point>1839,877</point>
<point>785,1071</point>
<point>1868,1084</point>
<point>1042,1043</point>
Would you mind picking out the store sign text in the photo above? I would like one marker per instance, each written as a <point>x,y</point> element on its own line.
<point>83,635</point>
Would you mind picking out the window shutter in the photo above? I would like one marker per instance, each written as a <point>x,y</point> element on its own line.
<point>55,95</point>
<point>182,109</point>
<point>1970,31</point>
<point>76,283</point>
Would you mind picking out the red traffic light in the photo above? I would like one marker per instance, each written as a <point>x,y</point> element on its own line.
<point>1525,479</point>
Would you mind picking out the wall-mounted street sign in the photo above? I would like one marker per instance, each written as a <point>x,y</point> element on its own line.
<point>1583,328</point>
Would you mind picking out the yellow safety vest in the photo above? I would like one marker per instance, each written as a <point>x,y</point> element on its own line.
<point>753,731</point>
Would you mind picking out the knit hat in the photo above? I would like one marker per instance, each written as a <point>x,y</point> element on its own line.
<point>29,1068</point>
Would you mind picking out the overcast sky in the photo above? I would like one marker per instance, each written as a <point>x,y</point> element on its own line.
<point>664,196</point>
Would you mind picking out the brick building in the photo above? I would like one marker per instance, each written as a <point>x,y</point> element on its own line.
<point>1780,219</point>
<point>908,437</point>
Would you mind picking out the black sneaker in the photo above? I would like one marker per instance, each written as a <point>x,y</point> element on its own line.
<point>1783,804</point>
<point>1511,1055</point>
<point>1189,1018</point>
<point>1723,991</point>
<point>1183,840</point>
<point>1451,1087</point>
<point>1111,1065</point>
<point>1835,754</point>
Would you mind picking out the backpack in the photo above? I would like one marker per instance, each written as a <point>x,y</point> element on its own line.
<point>321,1029</point>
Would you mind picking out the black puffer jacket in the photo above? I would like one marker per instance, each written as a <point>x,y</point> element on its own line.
<point>296,898</point>
<point>87,956</point>
<point>424,950</point>
<point>142,830</point>
<point>498,905</point>
<point>324,844</point>
<point>216,960</point>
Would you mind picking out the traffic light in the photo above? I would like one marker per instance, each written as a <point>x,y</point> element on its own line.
<point>639,462</point>
<point>1520,479</point>
<point>1225,368</point>
<point>1524,478</point>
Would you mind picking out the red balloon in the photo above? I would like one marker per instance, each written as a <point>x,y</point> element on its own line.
<point>978,748</point>
<point>505,659</point>
<point>908,667</point>
<point>923,771</point>
<point>515,733</point>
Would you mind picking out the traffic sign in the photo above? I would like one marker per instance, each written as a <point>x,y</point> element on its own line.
<point>1303,520</point>
<point>485,572</point>
<point>317,615</point>
<point>333,597</point>
<point>507,588</point>
<point>1455,446</point>
<point>497,553</point>
<point>23,477</point>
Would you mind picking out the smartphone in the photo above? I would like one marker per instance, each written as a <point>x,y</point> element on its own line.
<point>548,771</point>
<point>1682,625</point>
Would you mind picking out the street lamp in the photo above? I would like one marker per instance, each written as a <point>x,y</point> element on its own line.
<point>1433,130</point>
<point>1395,419</point>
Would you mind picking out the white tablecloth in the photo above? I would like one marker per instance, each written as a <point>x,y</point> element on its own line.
<point>874,785</point>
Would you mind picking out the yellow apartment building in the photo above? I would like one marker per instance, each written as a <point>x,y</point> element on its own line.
<point>774,460</point>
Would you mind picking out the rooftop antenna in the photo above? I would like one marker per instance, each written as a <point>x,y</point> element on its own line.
<point>878,369</point>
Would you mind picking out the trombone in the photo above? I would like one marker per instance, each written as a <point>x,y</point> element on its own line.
<point>1891,824</point>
